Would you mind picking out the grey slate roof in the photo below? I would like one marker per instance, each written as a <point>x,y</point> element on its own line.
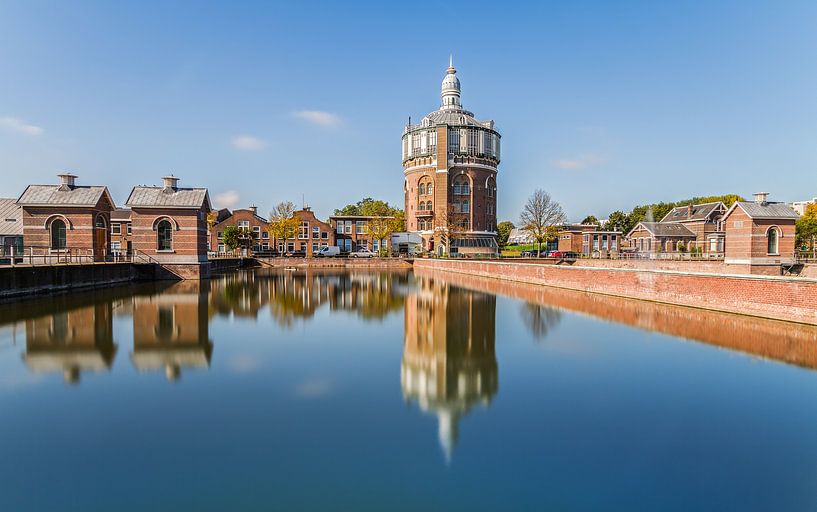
<point>120,214</point>
<point>699,212</point>
<point>768,210</point>
<point>11,217</point>
<point>54,195</point>
<point>158,197</point>
<point>674,229</point>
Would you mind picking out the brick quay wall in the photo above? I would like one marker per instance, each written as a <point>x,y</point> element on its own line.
<point>782,298</point>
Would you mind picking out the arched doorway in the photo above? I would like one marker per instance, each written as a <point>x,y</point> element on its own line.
<point>100,238</point>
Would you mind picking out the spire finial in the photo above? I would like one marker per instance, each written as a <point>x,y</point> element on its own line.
<point>450,60</point>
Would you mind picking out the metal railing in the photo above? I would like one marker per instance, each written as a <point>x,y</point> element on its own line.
<point>42,255</point>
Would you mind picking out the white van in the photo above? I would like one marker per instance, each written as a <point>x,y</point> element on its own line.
<point>328,251</point>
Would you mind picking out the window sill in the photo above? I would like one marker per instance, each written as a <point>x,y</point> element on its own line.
<point>165,251</point>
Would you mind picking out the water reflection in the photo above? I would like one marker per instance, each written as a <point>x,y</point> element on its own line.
<point>449,360</point>
<point>171,330</point>
<point>71,341</point>
<point>539,319</point>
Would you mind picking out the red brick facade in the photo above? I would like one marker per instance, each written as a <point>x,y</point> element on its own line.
<point>246,219</point>
<point>748,240</point>
<point>352,232</point>
<point>312,234</point>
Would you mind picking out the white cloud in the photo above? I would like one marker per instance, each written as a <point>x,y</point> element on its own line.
<point>248,143</point>
<point>313,388</point>
<point>575,164</point>
<point>20,126</point>
<point>226,199</point>
<point>317,117</point>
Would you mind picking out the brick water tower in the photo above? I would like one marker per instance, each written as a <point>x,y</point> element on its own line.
<point>450,162</point>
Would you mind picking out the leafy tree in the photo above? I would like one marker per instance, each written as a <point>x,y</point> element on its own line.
<point>806,230</point>
<point>283,225</point>
<point>617,221</point>
<point>591,219</point>
<point>368,207</point>
<point>503,231</point>
<point>540,217</point>
<point>231,237</point>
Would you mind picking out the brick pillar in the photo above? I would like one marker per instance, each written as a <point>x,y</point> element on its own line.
<point>441,183</point>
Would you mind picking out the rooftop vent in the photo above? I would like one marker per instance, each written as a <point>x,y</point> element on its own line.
<point>171,183</point>
<point>254,209</point>
<point>761,197</point>
<point>66,180</point>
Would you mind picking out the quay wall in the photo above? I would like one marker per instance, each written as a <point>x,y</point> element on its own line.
<point>782,298</point>
<point>30,280</point>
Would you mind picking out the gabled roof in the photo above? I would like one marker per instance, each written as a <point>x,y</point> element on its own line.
<point>11,217</point>
<point>699,212</point>
<point>120,214</point>
<point>673,229</point>
<point>56,195</point>
<point>161,197</point>
<point>772,211</point>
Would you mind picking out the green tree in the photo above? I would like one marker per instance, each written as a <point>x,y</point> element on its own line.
<point>591,219</point>
<point>806,230</point>
<point>503,231</point>
<point>283,225</point>
<point>368,207</point>
<point>231,237</point>
<point>617,221</point>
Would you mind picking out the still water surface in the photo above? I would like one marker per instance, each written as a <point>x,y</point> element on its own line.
<point>396,391</point>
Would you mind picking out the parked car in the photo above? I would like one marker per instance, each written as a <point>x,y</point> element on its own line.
<point>555,254</point>
<point>363,252</point>
<point>328,252</point>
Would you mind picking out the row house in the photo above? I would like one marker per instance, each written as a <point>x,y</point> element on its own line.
<point>589,241</point>
<point>354,232</point>
<point>169,227</point>
<point>312,234</point>
<point>249,223</point>
<point>66,220</point>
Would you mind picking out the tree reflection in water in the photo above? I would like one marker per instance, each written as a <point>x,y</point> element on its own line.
<point>539,319</point>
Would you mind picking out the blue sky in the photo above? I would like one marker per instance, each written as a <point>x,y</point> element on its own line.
<point>603,104</point>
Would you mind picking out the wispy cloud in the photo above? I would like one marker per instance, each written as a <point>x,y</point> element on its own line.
<point>576,164</point>
<point>248,143</point>
<point>20,126</point>
<point>317,117</point>
<point>313,388</point>
<point>226,199</point>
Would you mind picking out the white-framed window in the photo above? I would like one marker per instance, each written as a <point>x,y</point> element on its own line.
<point>129,228</point>
<point>116,246</point>
<point>773,241</point>
<point>303,231</point>
<point>265,235</point>
<point>361,227</point>
<point>316,232</point>
<point>221,248</point>
<point>116,228</point>
<point>324,235</point>
<point>348,227</point>
<point>244,225</point>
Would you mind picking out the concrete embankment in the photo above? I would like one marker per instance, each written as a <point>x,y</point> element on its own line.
<point>30,280</point>
<point>782,298</point>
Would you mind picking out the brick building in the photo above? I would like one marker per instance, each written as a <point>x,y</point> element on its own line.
<point>353,232</point>
<point>590,241</point>
<point>121,232</point>
<point>694,228</point>
<point>450,162</point>
<point>11,227</point>
<point>252,226</point>
<point>760,234</point>
<point>311,235</point>
<point>169,226</point>
<point>67,221</point>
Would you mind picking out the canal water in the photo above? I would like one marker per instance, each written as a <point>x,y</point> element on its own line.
<point>307,390</point>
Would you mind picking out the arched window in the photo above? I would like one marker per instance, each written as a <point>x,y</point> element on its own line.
<point>58,240</point>
<point>422,189</point>
<point>164,236</point>
<point>772,237</point>
<point>430,188</point>
<point>457,188</point>
<point>466,206</point>
<point>100,222</point>
<point>422,206</point>
<point>428,205</point>
<point>491,186</point>
<point>461,186</point>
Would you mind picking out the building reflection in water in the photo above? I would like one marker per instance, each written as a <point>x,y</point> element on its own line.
<point>449,360</point>
<point>71,341</point>
<point>539,319</point>
<point>170,329</point>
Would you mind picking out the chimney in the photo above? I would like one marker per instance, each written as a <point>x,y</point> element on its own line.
<point>66,181</point>
<point>760,197</point>
<point>254,209</point>
<point>171,183</point>
<point>689,210</point>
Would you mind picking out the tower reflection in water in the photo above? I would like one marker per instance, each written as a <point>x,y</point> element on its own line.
<point>170,329</point>
<point>449,359</point>
<point>71,341</point>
